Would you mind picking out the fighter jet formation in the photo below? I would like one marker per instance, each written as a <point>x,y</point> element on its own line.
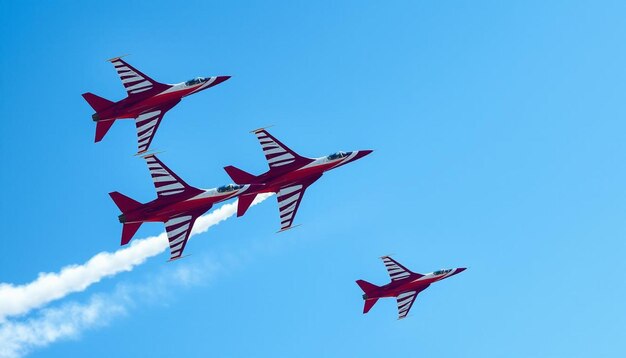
<point>178,204</point>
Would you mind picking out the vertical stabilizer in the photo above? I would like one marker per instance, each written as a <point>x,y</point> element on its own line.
<point>239,176</point>
<point>369,290</point>
<point>126,204</point>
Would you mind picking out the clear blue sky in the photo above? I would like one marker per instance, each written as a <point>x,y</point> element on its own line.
<point>499,133</point>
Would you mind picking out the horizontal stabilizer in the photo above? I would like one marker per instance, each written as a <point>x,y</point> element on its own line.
<point>244,203</point>
<point>367,287</point>
<point>369,290</point>
<point>369,304</point>
<point>124,203</point>
<point>102,127</point>
<point>128,231</point>
<point>239,176</point>
<point>98,103</point>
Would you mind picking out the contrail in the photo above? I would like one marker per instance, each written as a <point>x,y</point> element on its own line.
<point>50,325</point>
<point>48,287</point>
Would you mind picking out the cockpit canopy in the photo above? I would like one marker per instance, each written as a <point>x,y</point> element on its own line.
<point>441,272</point>
<point>228,188</point>
<point>195,81</point>
<point>338,155</point>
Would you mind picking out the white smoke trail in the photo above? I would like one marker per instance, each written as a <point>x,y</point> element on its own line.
<point>17,339</point>
<point>48,287</point>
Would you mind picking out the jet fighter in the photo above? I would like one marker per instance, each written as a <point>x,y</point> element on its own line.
<point>178,205</point>
<point>404,286</point>
<point>146,103</point>
<point>289,175</point>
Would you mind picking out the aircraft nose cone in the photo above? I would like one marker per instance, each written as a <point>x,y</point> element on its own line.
<point>460,269</point>
<point>362,153</point>
<point>221,79</point>
<point>218,80</point>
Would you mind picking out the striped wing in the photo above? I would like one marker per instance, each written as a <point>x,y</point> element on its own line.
<point>133,80</point>
<point>405,302</point>
<point>166,182</point>
<point>289,198</point>
<point>178,230</point>
<point>147,124</point>
<point>395,270</point>
<point>277,154</point>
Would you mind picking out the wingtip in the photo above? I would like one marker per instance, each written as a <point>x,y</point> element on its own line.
<point>178,258</point>
<point>287,229</point>
<point>116,58</point>
<point>148,153</point>
<point>260,129</point>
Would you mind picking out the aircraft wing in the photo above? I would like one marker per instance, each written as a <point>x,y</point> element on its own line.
<point>147,124</point>
<point>289,198</point>
<point>405,302</point>
<point>166,182</point>
<point>277,154</point>
<point>133,80</point>
<point>395,270</point>
<point>178,230</point>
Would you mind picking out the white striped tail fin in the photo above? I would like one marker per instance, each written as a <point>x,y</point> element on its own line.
<point>405,302</point>
<point>277,154</point>
<point>395,270</point>
<point>166,182</point>
<point>147,124</point>
<point>133,80</point>
<point>178,230</point>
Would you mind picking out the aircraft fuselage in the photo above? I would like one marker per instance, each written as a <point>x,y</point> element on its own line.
<point>133,106</point>
<point>161,209</point>
<point>275,179</point>
<point>412,283</point>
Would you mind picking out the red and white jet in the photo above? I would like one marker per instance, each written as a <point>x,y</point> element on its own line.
<point>146,103</point>
<point>178,205</point>
<point>404,286</point>
<point>289,175</point>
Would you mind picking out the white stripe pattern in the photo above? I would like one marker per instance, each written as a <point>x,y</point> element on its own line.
<point>165,182</point>
<point>146,124</point>
<point>405,301</point>
<point>275,153</point>
<point>395,271</point>
<point>288,199</point>
<point>178,230</point>
<point>132,81</point>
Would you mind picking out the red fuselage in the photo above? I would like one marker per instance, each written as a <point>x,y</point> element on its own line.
<point>414,282</point>
<point>274,179</point>
<point>194,200</point>
<point>160,95</point>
